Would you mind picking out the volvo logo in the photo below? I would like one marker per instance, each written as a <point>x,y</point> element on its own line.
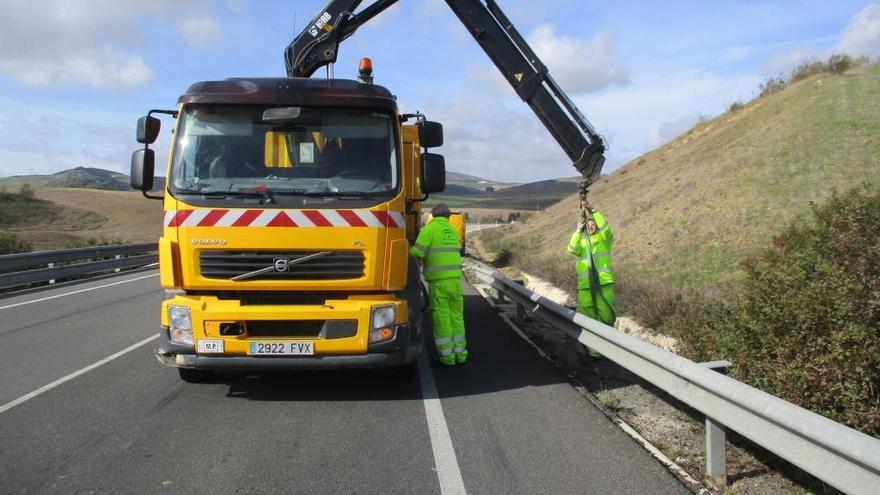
<point>281,265</point>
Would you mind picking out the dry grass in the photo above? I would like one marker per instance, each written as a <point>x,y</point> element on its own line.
<point>130,217</point>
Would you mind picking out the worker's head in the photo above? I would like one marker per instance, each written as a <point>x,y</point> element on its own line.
<point>592,227</point>
<point>440,210</point>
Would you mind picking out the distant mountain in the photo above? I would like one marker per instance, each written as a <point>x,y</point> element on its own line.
<point>89,178</point>
<point>458,190</point>
<point>79,178</point>
<point>541,188</point>
<point>478,184</point>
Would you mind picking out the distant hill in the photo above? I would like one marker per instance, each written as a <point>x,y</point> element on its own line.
<point>78,177</point>
<point>478,184</point>
<point>457,190</point>
<point>692,210</point>
<point>531,196</point>
<point>89,178</point>
<point>541,188</point>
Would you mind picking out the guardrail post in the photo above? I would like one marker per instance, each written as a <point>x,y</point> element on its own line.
<point>521,314</point>
<point>118,256</point>
<point>716,452</point>
<point>51,280</point>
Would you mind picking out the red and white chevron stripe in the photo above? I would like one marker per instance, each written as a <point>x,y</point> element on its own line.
<point>284,218</point>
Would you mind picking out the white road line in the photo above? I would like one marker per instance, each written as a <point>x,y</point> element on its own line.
<point>46,388</point>
<point>448,472</point>
<point>78,291</point>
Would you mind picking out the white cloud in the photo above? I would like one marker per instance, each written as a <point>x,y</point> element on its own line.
<point>862,34</point>
<point>579,65</point>
<point>491,133</point>
<point>43,138</point>
<point>90,42</point>
<point>669,130</point>
<point>784,62</point>
<point>494,135</point>
<point>860,38</point>
<point>655,109</point>
<point>199,30</point>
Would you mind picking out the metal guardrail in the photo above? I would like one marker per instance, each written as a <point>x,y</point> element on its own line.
<point>476,227</point>
<point>836,454</point>
<point>20,269</point>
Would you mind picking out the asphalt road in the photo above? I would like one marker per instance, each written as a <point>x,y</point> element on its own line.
<point>74,421</point>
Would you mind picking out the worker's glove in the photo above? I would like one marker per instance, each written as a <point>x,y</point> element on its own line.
<point>582,224</point>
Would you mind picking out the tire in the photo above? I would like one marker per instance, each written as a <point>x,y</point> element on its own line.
<point>190,375</point>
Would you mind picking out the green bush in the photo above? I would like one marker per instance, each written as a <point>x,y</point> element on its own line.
<point>772,85</point>
<point>10,243</point>
<point>736,107</point>
<point>806,326</point>
<point>808,69</point>
<point>816,298</point>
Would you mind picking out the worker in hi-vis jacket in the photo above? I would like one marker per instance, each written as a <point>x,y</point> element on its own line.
<point>591,243</point>
<point>440,248</point>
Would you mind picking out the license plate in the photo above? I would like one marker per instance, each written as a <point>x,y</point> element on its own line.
<point>282,348</point>
<point>208,346</point>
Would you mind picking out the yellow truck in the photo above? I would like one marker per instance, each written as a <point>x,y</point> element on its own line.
<point>290,205</point>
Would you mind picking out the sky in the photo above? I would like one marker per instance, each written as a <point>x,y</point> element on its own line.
<point>75,76</point>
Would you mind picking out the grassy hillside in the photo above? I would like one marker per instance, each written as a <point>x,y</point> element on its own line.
<point>58,217</point>
<point>692,210</point>
<point>19,213</point>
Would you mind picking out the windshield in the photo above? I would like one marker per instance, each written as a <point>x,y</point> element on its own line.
<point>232,150</point>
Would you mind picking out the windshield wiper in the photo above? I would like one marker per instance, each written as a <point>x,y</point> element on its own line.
<point>264,194</point>
<point>330,194</point>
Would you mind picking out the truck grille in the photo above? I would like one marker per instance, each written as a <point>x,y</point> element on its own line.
<point>336,265</point>
<point>325,329</point>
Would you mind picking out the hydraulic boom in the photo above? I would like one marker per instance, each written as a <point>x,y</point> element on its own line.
<point>318,45</point>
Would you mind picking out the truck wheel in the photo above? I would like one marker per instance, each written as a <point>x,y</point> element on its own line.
<point>190,375</point>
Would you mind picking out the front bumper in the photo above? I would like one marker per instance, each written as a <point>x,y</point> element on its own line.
<point>404,348</point>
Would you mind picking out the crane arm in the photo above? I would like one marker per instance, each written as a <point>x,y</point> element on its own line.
<point>318,46</point>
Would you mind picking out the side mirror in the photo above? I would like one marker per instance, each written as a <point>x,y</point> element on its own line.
<point>433,173</point>
<point>431,134</point>
<point>142,165</point>
<point>148,129</point>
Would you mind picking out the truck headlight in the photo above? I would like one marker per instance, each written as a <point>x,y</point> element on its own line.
<point>180,324</point>
<point>382,323</point>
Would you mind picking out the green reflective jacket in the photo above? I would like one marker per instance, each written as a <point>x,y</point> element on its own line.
<point>438,244</point>
<point>600,248</point>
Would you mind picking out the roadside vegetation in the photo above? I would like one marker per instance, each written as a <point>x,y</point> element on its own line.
<point>836,65</point>
<point>11,244</point>
<point>805,323</point>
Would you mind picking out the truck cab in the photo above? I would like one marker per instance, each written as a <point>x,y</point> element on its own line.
<point>289,207</point>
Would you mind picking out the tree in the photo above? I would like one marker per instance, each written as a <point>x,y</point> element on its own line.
<point>27,191</point>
